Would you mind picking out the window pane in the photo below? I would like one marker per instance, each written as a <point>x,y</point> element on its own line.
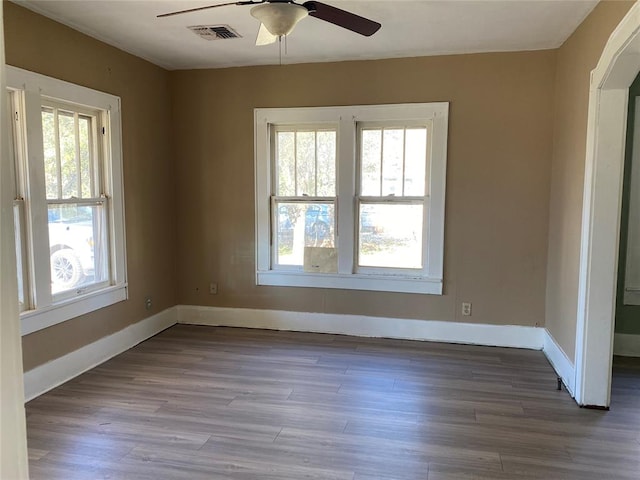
<point>51,167</point>
<point>285,164</point>
<point>68,166</point>
<point>78,246</point>
<point>326,142</point>
<point>390,235</point>
<point>392,157</point>
<point>370,151</point>
<point>18,225</point>
<point>86,176</point>
<point>301,225</point>
<point>306,163</point>
<point>415,161</point>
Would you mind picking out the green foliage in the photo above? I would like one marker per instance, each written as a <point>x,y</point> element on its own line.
<point>306,163</point>
<point>71,175</point>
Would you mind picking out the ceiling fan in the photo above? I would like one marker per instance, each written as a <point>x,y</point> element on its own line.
<point>279,17</point>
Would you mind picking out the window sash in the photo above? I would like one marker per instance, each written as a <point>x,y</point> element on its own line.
<point>275,219</point>
<point>94,150</point>
<point>296,129</point>
<point>17,153</point>
<point>394,125</point>
<point>100,236</point>
<point>394,201</point>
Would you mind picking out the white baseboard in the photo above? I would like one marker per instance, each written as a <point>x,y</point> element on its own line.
<point>363,326</point>
<point>560,362</point>
<point>626,345</point>
<point>45,377</point>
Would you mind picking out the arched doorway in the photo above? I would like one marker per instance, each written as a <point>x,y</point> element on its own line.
<point>608,96</point>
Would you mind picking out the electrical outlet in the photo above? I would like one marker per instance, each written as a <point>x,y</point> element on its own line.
<point>147,303</point>
<point>466,309</point>
<point>213,288</point>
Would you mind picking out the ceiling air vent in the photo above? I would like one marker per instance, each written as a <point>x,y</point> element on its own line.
<point>214,32</point>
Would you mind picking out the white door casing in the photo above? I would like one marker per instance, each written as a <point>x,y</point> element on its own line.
<point>13,435</point>
<point>606,135</point>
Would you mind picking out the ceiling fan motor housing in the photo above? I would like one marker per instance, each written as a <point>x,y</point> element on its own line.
<point>279,17</point>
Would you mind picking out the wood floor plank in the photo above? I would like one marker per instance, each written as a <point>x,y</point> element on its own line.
<point>399,456</point>
<point>230,466</point>
<point>217,403</point>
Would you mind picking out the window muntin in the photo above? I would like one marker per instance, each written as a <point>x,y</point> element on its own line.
<point>304,186</point>
<point>69,198</point>
<point>388,178</point>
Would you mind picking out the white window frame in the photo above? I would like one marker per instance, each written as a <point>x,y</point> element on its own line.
<point>427,281</point>
<point>47,310</point>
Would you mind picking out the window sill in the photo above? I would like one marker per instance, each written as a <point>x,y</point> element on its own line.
<point>377,283</point>
<point>34,320</point>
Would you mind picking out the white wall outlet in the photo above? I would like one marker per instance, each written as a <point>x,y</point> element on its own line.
<point>213,288</point>
<point>466,309</point>
<point>147,303</point>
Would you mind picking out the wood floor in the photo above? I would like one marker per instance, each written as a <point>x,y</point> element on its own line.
<point>212,403</point>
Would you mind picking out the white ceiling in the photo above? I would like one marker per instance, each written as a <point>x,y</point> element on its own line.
<point>409,28</point>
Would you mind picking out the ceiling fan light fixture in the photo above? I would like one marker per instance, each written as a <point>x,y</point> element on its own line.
<point>279,18</point>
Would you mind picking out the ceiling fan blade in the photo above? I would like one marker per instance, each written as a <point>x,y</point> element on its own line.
<point>342,18</point>
<point>197,9</point>
<point>265,37</point>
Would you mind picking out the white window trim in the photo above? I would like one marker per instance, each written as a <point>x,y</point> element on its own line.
<point>35,86</point>
<point>347,117</point>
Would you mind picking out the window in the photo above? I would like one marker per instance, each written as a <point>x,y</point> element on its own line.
<point>351,197</point>
<point>68,208</point>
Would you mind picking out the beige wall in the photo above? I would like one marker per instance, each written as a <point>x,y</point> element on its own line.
<point>576,58</point>
<point>189,185</point>
<point>38,44</point>
<point>497,186</point>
